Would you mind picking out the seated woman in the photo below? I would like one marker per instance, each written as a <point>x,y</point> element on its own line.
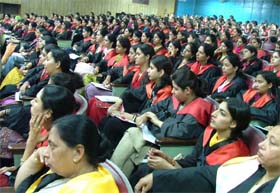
<point>119,74</point>
<point>232,81</point>
<point>257,43</point>
<point>121,59</point>
<point>264,99</point>
<point>57,60</point>
<point>109,52</point>
<point>240,45</point>
<point>95,51</point>
<point>78,170</point>
<point>221,141</point>
<point>136,78</point>
<point>157,89</point>
<point>260,174</point>
<point>146,38</point>
<point>50,103</point>
<point>223,50</point>
<point>275,64</point>
<point>83,45</point>
<point>47,107</point>
<point>174,53</point>
<point>188,56</point>
<point>251,64</point>
<point>183,115</point>
<point>159,41</point>
<point>204,67</point>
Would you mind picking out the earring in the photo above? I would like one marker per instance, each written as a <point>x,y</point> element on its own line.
<point>75,161</point>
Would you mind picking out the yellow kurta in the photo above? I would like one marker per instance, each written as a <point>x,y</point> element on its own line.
<point>100,181</point>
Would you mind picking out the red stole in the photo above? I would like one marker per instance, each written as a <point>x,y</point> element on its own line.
<point>238,49</point>
<point>44,75</point>
<point>132,68</point>
<point>222,154</point>
<point>198,108</point>
<point>50,28</point>
<point>198,69</point>
<point>92,48</point>
<point>137,78</point>
<point>110,54</point>
<point>271,68</point>
<point>162,94</point>
<point>87,39</point>
<point>161,51</point>
<point>247,64</point>
<point>219,82</point>
<point>122,62</point>
<point>262,101</point>
<point>261,53</point>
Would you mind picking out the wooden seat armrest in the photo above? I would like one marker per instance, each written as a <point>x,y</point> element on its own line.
<point>175,141</point>
<point>9,189</point>
<point>17,148</point>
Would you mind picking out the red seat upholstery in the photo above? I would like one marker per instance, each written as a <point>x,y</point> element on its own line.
<point>83,104</point>
<point>252,137</point>
<point>250,80</point>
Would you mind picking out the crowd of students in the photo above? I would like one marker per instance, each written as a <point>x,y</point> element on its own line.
<point>170,64</point>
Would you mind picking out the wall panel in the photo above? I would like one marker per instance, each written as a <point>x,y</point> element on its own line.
<point>46,7</point>
<point>242,10</point>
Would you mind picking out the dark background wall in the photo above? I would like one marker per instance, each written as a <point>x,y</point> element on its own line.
<point>242,10</point>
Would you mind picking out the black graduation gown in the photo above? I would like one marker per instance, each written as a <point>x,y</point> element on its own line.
<point>192,179</point>
<point>250,182</point>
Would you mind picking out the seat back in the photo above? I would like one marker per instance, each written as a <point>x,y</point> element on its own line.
<point>250,80</point>
<point>265,64</point>
<point>252,137</point>
<point>120,179</point>
<point>267,45</point>
<point>82,102</point>
<point>64,43</point>
<point>213,102</point>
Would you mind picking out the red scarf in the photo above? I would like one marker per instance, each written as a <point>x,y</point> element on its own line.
<point>137,78</point>
<point>247,64</point>
<point>198,69</point>
<point>259,103</point>
<point>110,54</point>
<point>199,108</point>
<point>271,68</point>
<point>87,39</point>
<point>162,94</point>
<point>219,82</point>
<point>122,62</point>
<point>161,51</point>
<point>44,75</point>
<point>226,152</point>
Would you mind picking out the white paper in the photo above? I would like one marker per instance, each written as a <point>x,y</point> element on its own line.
<point>17,94</point>
<point>101,86</point>
<point>147,135</point>
<point>109,99</point>
<point>83,68</point>
<point>73,56</point>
